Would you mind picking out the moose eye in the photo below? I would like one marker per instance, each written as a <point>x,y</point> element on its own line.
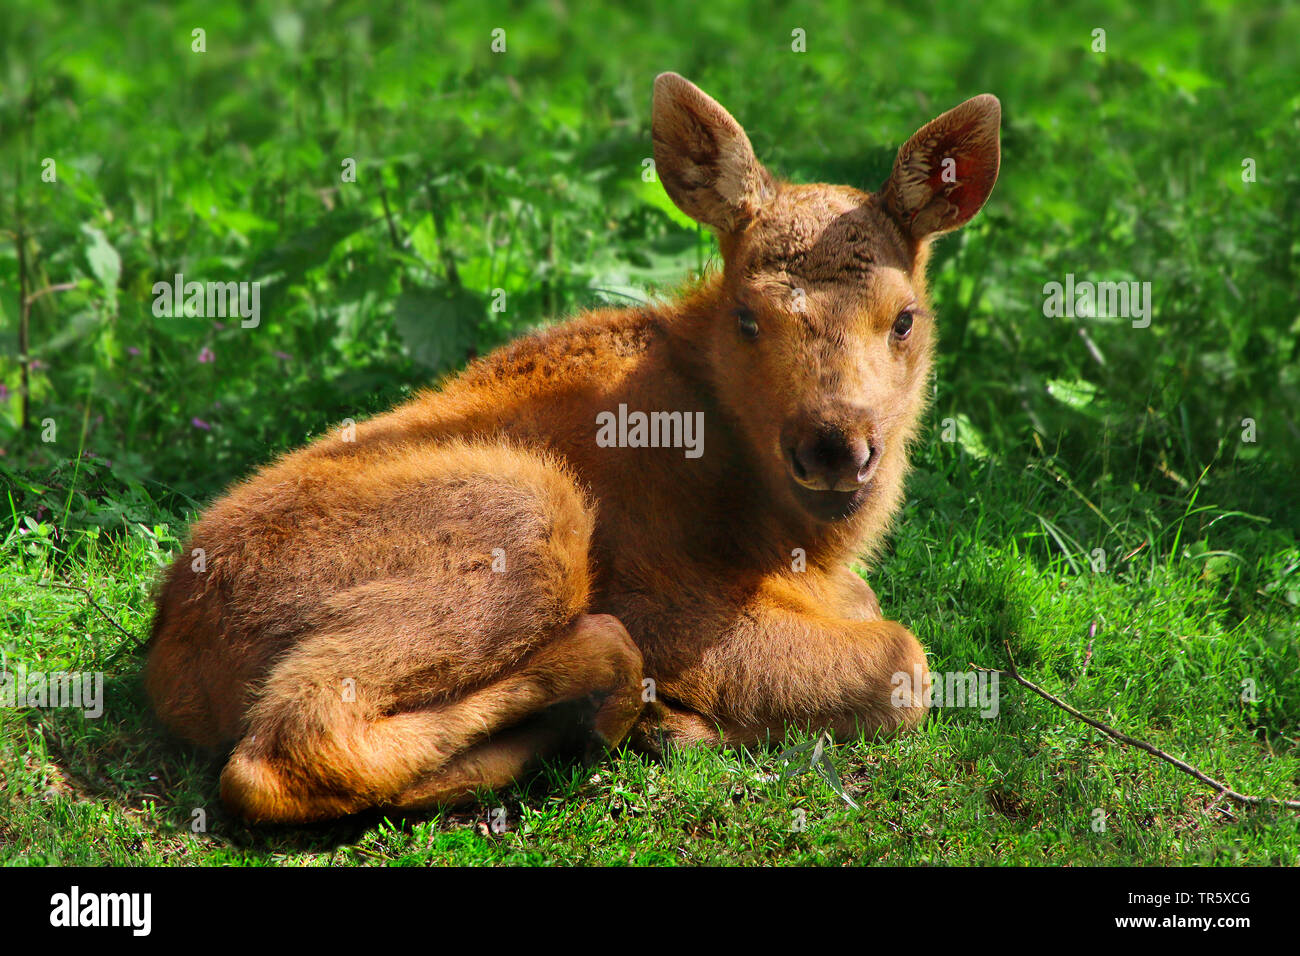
<point>747,323</point>
<point>903,325</point>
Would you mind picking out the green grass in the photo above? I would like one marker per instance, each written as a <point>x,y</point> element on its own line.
<point>522,173</point>
<point>971,567</point>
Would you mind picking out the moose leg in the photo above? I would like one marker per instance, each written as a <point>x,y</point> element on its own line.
<point>309,759</point>
<point>598,661</point>
<point>781,664</point>
<point>507,757</point>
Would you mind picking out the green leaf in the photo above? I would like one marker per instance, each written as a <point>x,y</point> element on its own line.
<point>793,767</point>
<point>1077,394</point>
<point>104,261</point>
<point>438,326</point>
<point>969,437</point>
<point>653,195</point>
<point>832,777</point>
<point>286,27</point>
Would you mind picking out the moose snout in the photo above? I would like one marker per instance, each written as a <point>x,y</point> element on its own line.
<point>827,457</point>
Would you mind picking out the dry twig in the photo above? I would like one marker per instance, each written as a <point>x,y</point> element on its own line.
<point>93,603</point>
<point>1123,738</point>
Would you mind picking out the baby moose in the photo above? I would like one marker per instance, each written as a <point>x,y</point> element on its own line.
<point>533,555</point>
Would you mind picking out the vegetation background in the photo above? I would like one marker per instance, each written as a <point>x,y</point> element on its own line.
<point>521,171</point>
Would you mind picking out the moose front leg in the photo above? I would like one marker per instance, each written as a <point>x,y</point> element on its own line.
<point>860,600</point>
<point>782,664</point>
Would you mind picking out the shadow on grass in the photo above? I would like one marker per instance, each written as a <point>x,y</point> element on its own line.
<point>127,757</point>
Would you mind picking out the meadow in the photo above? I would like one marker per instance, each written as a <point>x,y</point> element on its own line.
<point>1114,500</point>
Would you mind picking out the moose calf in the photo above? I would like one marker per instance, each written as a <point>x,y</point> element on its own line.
<point>402,615</point>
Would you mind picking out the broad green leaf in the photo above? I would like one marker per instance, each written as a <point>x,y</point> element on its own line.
<point>1077,394</point>
<point>438,326</point>
<point>104,261</point>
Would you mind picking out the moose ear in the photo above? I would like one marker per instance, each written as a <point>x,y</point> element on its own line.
<point>945,172</point>
<point>704,158</point>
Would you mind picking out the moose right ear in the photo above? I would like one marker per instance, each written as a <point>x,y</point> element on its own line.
<point>704,159</point>
<point>945,172</point>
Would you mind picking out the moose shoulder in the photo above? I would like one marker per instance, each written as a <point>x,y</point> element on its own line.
<point>662,497</point>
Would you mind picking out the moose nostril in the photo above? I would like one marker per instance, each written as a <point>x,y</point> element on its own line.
<point>800,470</point>
<point>814,457</point>
<point>865,464</point>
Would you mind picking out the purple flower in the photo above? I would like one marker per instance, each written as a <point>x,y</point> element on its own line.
<point>4,392</point>
<point>206,355</point>
<point>200,423</point>
<point>219,326</point>
<point>282,356</point>
<point>132,350</point>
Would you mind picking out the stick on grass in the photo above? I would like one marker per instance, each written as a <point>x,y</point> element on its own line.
<point>1123,738</point>
<point>93,603</point>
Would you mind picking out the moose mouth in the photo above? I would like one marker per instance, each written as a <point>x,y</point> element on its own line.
<point>830,506</point>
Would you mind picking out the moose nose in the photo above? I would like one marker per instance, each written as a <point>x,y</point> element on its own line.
<point>830,459</point>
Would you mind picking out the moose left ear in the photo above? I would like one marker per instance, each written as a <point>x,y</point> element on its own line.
<point>704,159</point>
<point>945,172</point>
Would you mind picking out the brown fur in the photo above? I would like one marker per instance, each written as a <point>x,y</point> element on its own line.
<point>349,636</point>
